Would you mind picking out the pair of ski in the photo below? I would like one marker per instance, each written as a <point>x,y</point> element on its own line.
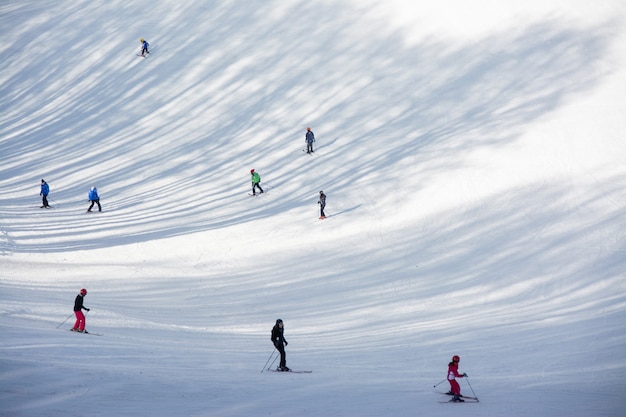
<point>146,55</point>
<point>465,398</point>
<point>88,211</point>
<point>289,371</point>
<point>86,332</point>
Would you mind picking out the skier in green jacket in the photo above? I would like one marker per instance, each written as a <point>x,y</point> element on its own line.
<point>256,179</point>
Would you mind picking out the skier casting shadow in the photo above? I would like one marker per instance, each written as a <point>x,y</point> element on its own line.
<point>144,47</point>
<point>322,203</point>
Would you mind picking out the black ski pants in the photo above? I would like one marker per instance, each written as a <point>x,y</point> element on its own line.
<point>283,356</point>
<point>95,202</point>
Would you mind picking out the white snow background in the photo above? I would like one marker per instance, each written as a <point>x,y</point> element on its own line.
<point>474,159</point>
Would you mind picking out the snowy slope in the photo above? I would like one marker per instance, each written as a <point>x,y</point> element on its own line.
<point>474,167</point>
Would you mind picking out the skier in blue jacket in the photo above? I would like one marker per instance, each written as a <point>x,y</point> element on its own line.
<point>45,189</point>
<point>309,139</point>
<point>94,198</point>
<point>144,47</point>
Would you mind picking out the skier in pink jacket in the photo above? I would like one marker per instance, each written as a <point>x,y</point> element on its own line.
<point>453,373</point>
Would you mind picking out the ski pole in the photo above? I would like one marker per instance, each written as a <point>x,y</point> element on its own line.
<point>272,364</point>
<point>470,385</point>
<point>268,361</point>
<point>68,317</point>
<point>438,383</point>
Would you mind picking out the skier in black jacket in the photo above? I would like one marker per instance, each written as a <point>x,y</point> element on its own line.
<point>279,343</point>
<point>79,326</point>
<point>322,203</point>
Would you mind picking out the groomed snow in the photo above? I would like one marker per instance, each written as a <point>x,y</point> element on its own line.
<point>474,162</point>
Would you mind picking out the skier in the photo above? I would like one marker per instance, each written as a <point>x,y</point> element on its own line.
<point>144,47</point>
<point>322,203</point>
<point>279,343</point>
<point>94,198</point>
<point>256,179</point>
<point>309,139</point>
<point>45,189</point>
<point>79,326</point>
<point>453,372</point>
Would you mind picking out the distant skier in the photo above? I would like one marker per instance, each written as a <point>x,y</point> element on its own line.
<point>279,343</point>
<point>453,372</point>
<point>94,198</point>
<point>256,179</point>
<point>144,47</point>
<point>309,139</point>
<point>79,326</point>
<point>322,203</point>
<point>45,189</point>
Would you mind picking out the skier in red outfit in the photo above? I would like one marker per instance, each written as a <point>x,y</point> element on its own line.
<point>79,326</point>
<point>453,372</point>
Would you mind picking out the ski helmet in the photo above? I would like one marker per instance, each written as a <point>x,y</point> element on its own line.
<point>83,292</point>
<point>455,358</point>
<point>141,40</point>
<point>279,321</point>
<point>252,171</point>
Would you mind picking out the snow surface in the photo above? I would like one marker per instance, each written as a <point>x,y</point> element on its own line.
<point>474,162</point>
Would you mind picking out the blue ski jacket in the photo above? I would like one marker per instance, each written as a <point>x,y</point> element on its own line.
<point>93,194</point>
